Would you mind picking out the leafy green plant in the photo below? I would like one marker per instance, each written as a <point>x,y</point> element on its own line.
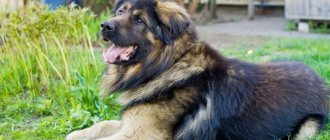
<point>319,27</point>
<point>94,108</point>
<point>291,26</point>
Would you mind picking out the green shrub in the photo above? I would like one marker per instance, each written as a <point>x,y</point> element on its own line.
<point>291,26</point>
<point>319,27</point>
<point>314,26</point>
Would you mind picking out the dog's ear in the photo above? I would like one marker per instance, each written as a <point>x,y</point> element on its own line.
<point>174,20</point>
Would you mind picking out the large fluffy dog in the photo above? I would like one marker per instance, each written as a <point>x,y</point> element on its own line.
<point>174,86</point>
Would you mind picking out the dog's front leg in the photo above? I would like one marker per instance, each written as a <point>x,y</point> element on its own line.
<point>139,132</point>
<point>99,130</point>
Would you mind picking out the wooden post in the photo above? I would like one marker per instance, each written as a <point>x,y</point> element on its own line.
<point>213,10</point>
<point>251,9</point>
<point>25,2</point>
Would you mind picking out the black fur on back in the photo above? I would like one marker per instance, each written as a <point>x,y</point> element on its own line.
<point>236,107</point>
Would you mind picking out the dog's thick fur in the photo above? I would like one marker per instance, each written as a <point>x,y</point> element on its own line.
<point>178,87</point>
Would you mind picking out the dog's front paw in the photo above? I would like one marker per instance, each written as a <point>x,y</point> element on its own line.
<point>75,136</point>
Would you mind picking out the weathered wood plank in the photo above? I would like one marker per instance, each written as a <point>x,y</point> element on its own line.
<point>245,2</point>
<point>307,9</point>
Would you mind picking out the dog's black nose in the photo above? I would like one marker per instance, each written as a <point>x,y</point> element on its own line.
<point>108,26</point>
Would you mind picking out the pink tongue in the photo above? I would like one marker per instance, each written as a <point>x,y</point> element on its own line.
<point>115,52</point>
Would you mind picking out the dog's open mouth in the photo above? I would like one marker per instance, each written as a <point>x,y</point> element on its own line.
<point>116,54</point>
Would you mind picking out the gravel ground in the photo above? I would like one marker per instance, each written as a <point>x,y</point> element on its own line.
<point>247,33</point>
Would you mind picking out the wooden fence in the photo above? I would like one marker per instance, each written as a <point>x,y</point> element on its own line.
<point>307,9</point>
<point>256,2</point>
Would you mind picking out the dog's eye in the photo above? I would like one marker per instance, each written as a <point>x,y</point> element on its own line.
<point>120,12</point>
<point>138,20</point>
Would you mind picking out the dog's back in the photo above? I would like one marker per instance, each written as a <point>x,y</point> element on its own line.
<point>283,93</point>
<point>266,101</point>
<point>295,91</point>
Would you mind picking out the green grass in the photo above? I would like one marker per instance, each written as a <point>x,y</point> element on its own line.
<point>314,52</point>
<point>51,71</point>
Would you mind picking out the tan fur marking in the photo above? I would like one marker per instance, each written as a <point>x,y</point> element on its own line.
<point>308,130</point>
<point>166,10</point>
<point>137,12</point>
<point>132,70</point>
<point>151,37</point>
<point>154,121</point>
<point>127,6</point>
<point>191,64</point>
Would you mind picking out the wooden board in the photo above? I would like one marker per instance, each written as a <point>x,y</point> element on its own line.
<point>256,2</point>
<point>245,2</point>
<point>307,9</point>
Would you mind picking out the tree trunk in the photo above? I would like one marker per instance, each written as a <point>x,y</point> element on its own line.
<point>25,2</point>
<point>213,9</point>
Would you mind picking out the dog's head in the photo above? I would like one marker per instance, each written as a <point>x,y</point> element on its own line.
<point>147,36</point>
<point>137,25</point>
